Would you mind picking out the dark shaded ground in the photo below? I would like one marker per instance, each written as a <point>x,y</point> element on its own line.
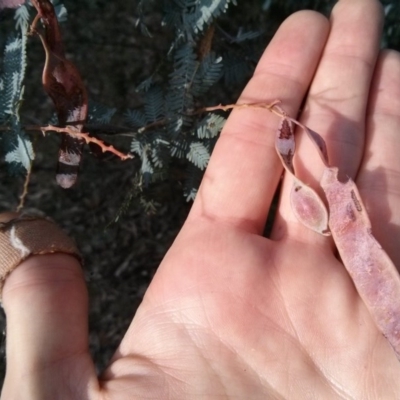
<point>120,259</point>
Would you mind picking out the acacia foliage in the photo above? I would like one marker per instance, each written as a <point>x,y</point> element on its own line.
<point>167,127</point>
<point>206,55</point>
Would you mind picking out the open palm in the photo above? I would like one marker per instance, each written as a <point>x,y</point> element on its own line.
<point>231,314</point>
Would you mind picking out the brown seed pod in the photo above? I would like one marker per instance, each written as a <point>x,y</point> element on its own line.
<point>373,273</point>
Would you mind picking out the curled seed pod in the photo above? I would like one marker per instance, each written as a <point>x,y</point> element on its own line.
<point>306,204</point>
<point>309,209</point>
<point>63,83</point>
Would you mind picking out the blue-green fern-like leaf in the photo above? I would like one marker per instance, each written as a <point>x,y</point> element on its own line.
<point>16,145</point>
<point>207,11</point>
<point>60,10</point>
<point>137,147</point>
<point>160,150</point>
<point>154,104</point>
<point>145,85</point>
<point>236,69</point>
<point>14,65</point>
<point>190,191</point>
<point>175,125</point>
<point>154,145</point>
<point>191,17</point>
<point>140,22</point>
<point>157,161</point>
<point>175,11</point>
<point>154,109</point>
<point>99,113</point>
<point>198,155</point>
<point>208,74</point>
<point>179,148</point>
<point>18,148</point>
<point>249,35</point>
<point>185,67</point>
<point>210,126</point>
<point>172,15</point>
<point>179,98</point>
<point>146,167</point>
<point>136,118</point>
<point>170,124</point>
<point>21,18</point>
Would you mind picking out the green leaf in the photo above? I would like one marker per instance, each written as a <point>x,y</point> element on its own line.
<point>207,11</point>
<point>99,113</point>
<point>21,18</point>
<point>210,126</point>
<point>208,74</point>
<point>154,104</point>
<point>14,65</point>
<point>135,118</point>
<point>198,155</point>
<point>22,153</point>
<point>18,148</point>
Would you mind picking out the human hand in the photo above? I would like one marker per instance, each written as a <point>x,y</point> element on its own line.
<point>229,313</point>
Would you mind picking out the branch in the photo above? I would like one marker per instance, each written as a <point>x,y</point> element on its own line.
<point>24,190</point>
<point>88,139</point>
<point>269,106</point>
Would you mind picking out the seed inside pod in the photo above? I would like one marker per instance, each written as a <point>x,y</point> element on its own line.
<point>309,208</point>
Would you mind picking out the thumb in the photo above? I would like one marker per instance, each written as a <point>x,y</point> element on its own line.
<point>46,305</point>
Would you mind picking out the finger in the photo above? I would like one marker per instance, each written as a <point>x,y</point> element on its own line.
<point>379,176</point>
<point>46,305</point>
<point>336,105</point>
<point>244,169</point>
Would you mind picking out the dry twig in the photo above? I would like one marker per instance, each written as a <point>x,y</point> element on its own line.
<point>88,139</point>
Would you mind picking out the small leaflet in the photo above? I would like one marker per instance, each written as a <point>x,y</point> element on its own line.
<point>22,153</point>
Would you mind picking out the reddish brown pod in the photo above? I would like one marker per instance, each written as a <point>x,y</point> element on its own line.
<point>307,206</point>
<point>372,271</point>
<point>63,83</point>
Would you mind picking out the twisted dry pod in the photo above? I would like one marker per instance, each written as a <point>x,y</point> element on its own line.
<point>63,83</point>
<point>373,273</point>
